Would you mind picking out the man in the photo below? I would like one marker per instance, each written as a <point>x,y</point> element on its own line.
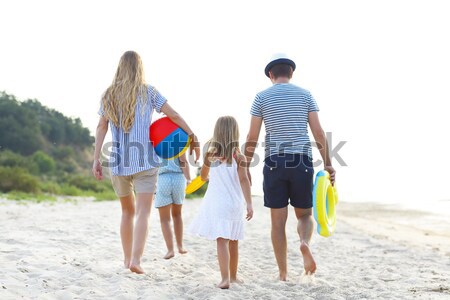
<point>286,111</point>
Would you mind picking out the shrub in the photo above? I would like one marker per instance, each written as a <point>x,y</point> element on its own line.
<point>85,183</point>
<point>11,159</point>
<point>45,163</point>
<point>105,196</point>
<point>70,190</point>
<point>63,152</point>
<point>17,179</point>
<point>30,197</point>
<point>50,187</point>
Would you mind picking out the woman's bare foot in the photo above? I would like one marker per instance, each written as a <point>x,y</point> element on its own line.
<point>181,250</point>
<point>308,260</point>
<point>224,284</point>
<point>136,268</point>
<point>236,280</point>
<point>282,277</point>
<point>169,254</point>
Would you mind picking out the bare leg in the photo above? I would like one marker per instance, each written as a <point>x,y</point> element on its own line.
<point>178,227</point>
<point>305,228</point>
<point>223,254</point>
<point>143,206</point>
<point>126,227</point>
<point>279,217</point>
<point>234,257</point>
<point>164,215</point>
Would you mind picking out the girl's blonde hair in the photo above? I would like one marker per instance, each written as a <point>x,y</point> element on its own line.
<point>119,100</point>
<point>225,141</point>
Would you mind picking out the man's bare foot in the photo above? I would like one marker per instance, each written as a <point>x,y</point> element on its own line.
<point>236,280</point>
<point>282,277</point>
<point>136,268</point>
<point>169,255</point>
<point>308,260</point>
<point>181,250</point>
<point>224,284</point>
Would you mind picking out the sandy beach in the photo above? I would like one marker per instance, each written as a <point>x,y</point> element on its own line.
<point>72,250</point>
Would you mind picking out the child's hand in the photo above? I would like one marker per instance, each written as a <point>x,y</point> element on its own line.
<point>249,212</point>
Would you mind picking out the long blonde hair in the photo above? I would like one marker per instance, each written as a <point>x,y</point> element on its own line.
<point>225,141</point>
<point>119,100</point>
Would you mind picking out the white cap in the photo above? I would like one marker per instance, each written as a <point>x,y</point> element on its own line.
<point>279,58</point>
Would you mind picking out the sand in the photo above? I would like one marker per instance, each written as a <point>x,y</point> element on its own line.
<point>72,250</point>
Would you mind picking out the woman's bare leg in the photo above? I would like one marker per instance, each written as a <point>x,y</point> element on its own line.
<point>126,227</point>
<point>143,207</point>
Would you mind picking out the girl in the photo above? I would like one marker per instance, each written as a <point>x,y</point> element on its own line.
<point>127,106</point>
<point>221,215</point>
<point>173,177</point>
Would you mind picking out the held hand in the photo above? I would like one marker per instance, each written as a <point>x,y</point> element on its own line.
<point>194,146</point>
<point>332,172</point>
<point>97,170</point>
<point>249,212</point>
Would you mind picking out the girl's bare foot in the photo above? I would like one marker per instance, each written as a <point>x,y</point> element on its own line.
<point>136,268</point>
<point>224,284</point>
<point>126,263</point>
<point>181,250</point>
<point>169,254</point>
<point>235,280</point>
<point>308,260</point>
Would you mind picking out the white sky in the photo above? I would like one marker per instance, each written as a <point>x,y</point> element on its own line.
<point>379,71</point>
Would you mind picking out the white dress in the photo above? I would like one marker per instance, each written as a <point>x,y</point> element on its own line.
<point>221,213</point>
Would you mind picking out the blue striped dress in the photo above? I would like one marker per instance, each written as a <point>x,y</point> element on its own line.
<point>132,152</point>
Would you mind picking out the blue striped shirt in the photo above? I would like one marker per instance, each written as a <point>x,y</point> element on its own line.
<point>284,109</point>
<point>132,152</point>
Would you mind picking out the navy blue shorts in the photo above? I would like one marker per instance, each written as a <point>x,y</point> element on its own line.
<point>288,178</point>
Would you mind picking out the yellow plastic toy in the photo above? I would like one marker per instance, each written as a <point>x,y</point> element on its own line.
<point>194,185</point>
<point>325,198</point>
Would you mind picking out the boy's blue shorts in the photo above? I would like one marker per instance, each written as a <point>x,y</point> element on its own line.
<point>288,178</point>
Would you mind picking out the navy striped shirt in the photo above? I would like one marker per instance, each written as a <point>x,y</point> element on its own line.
<point>132,152</point>
<point>284,109</point>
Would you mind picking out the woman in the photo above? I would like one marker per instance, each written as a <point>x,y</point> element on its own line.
<point>127,105</point>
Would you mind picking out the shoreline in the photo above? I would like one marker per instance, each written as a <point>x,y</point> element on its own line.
<point>402,225</point>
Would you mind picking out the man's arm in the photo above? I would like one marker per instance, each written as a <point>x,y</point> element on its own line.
<point>252,142</point>
<point>321,141</point>
<point>252,138</point>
